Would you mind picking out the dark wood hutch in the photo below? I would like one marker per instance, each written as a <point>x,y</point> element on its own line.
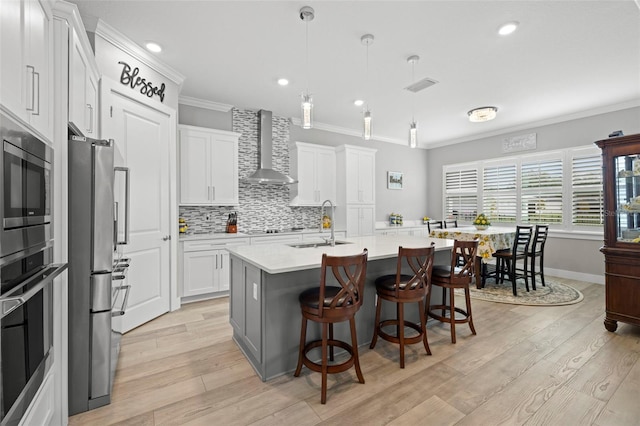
<point>621,179</point>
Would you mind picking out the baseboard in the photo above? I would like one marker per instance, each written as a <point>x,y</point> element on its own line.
<point>572,275</point>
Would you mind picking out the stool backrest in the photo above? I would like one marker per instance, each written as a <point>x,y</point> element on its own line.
<point>463,261</point>
<point>350,273</point>
<point>420,261</point>
<point>521,243</point>
<point>539,239</point>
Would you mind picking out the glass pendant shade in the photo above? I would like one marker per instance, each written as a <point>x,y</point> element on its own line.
<point>413,135</point>
<point>307,111</point>
<point>366,134</point>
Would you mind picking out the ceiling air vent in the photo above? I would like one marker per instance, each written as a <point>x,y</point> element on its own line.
<point>420,85</point>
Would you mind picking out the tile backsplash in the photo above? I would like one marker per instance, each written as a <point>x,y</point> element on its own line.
<point>261,206</point>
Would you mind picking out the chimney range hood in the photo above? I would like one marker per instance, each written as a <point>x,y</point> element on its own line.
<point>265,174</point>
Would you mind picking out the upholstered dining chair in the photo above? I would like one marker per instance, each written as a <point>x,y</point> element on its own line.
<point>402,288</point>
<point>450,277</point>
<point>330,304</point>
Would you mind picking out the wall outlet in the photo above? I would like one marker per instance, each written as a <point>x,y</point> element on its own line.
<point>255,291</point>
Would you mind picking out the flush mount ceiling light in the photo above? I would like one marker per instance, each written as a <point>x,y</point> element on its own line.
<point>413,127</point>
<point>358,102</point>
<point>307,14</point>
<point>367,40</point>
<point>153,47</point>
<point>508,28</point>
<point>283,81</point>
<point>478,115</point>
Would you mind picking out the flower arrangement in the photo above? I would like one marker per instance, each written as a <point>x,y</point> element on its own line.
<point>481,222</point>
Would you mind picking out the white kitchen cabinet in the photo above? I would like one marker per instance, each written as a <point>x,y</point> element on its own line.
<point>205,266</point>
<point>83,85</point>
<point>208,166</point>
<point>357,167</point>
<point>42,407</point>
<point>26,63</point>
<point>322,235</point>
<point>360,220</point>
<point>314,166</point>
<point>276,239</point>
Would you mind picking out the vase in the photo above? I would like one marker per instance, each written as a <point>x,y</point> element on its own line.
<point>481,227</point>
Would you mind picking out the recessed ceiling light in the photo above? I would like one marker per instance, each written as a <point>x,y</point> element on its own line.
<point>283,81</point>
<point>508,28</point>
<point>153,47</point>
<point>358,102</point>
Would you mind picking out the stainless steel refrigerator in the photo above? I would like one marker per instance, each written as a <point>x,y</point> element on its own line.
<point>91,248</point>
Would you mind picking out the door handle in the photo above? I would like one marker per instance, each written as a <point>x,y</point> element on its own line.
<point>166,238</point>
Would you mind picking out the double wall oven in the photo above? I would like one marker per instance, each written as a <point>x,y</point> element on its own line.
<point>27,270</point>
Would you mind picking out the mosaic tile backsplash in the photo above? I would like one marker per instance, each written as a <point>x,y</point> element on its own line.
<point>261,206</point>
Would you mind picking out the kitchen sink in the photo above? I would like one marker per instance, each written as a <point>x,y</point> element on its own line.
<point>314,245</point>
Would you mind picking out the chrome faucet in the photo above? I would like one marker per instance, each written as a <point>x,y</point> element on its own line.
<point>331,240</point>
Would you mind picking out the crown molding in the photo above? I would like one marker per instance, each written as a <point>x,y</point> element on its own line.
<point>201,103</point>
<point>125,44</point>
<point>69,12</point>
<point>546,122</point>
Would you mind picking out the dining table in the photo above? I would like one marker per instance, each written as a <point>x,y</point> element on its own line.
<point>490,240</point>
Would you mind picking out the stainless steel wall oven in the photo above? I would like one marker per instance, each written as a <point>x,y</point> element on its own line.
<point>26,184</point>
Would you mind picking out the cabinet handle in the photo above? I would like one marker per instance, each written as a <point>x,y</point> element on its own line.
<point>221,262</point>
<point>37,74</point>
<point>209,193</point>
<point>217,261</point>
<point>213,192</point>
<point>33,102</point>
<point>90,129</point>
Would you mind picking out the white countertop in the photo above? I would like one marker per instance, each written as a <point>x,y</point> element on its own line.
<point>213,235</point>
<point>278,258</point>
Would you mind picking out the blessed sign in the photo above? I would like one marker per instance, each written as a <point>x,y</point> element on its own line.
<point>519,143</point>
<point>129,77</point>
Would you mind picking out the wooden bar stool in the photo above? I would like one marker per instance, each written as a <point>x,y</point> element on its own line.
<point>329,304</point>
<point>457,275</point>
<point>401,289</point>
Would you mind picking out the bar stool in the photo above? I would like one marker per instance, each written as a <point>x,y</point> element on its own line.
<point>457,275</point>
<point>332,304</point>
<point>537,250</point>
<point>401,289</point>
<point>507,260</point>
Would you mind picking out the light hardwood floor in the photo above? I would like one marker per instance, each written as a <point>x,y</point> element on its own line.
<point>527,365</point>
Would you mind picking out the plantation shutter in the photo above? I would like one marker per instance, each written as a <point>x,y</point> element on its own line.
<point>499,200</point>
<point>541,191</point>
<point>461,193</point>
<point>587,201</point>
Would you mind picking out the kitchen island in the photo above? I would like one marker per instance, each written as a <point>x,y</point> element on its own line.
<point>267,279</point>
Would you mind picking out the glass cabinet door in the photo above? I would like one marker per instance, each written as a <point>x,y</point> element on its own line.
<point>628,197</point>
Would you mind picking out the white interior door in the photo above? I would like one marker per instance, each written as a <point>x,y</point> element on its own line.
<point>143,136</point>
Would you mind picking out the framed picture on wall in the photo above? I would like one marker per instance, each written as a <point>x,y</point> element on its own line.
<point>394,180</point>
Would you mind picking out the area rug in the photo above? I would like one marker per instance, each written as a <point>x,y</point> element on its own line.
<point>555,293</point>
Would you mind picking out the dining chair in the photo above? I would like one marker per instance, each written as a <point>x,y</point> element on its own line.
<point>402,288</point>
<point>450,223</point>
<point>329,304</point>
<point>537,251</point>
<point>435,224</point>
<point>507,260</point>
<point>452,277</point>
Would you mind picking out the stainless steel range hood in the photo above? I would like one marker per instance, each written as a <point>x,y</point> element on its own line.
<point>265,174</point>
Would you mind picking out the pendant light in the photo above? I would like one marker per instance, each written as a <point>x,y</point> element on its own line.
<point>307,15</point>
<point>413,127</point>
<point>367,40</point>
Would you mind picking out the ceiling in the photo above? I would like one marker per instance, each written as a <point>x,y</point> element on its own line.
<point>567,59</point>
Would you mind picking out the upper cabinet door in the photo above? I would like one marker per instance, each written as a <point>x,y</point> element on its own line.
<point>208,167</point>
<point>366,177</point>
<point>83,88</point>
<point>326,175</point>
<point>27,63</point>
<point>314,166</point>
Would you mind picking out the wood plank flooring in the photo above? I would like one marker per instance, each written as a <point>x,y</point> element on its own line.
<point>526,366</point>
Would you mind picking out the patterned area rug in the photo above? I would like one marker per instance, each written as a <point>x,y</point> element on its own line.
<point>553,294</point>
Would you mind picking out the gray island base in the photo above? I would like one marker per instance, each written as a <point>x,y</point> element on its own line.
<point>267,279</point>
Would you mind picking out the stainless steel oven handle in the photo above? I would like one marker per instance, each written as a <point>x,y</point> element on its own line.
<point>124,301</point>
<point>10,304</point>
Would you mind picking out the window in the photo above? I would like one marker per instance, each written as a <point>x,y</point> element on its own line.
<point>499,198</point>
<point>461,193</point>
<point>562,188</point>
<point>587,200</point>
<point>541,186</point>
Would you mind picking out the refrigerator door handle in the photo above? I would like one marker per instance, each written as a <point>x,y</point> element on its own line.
<point>126,204</point>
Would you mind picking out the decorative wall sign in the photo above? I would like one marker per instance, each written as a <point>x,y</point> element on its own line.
<point>394,180</point>
<point>130,78</point>
<point>519,143</point>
